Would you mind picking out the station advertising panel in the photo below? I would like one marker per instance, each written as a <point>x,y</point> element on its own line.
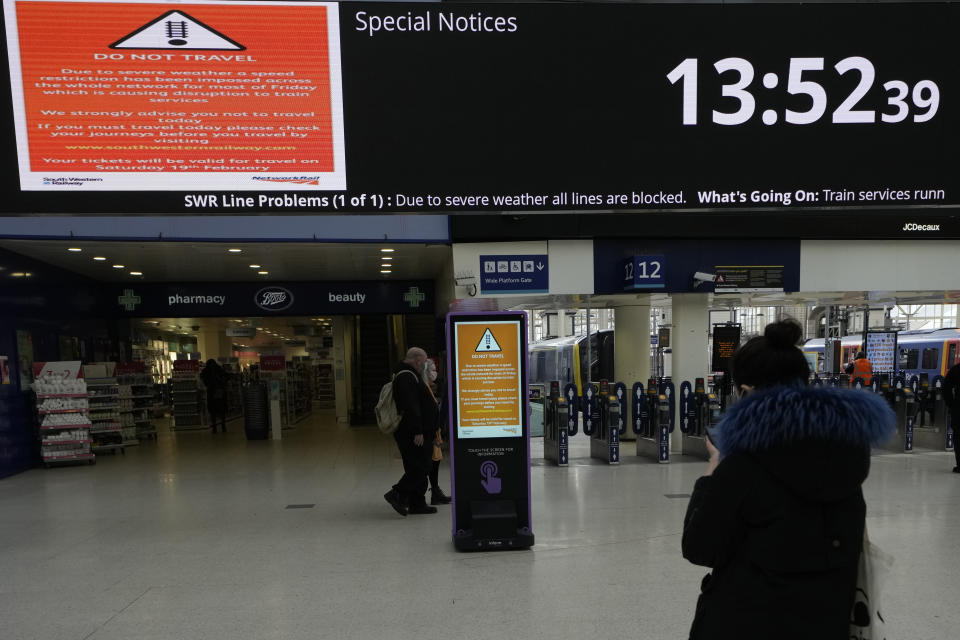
<point>216,106</point>
<point>489,430</point>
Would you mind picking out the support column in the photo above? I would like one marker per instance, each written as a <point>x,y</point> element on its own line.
<point>343,349</point>
<point>689,344</point>
<point>631,345</point>
<point>562,331</point>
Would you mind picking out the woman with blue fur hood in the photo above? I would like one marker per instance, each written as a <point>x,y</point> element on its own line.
<point>779,515</point>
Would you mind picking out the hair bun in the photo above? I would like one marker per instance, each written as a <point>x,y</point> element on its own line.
<point>783,334</point>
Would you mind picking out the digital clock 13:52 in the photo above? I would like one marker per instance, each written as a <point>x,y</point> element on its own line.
<point>919,101</point>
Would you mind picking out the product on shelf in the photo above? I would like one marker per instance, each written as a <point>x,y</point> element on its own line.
<point>105,426</point>
<point>63,412</point>
<point>187,396</point>
<point>136,403</point>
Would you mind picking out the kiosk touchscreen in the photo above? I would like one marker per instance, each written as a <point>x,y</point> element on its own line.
<point>489,430</point>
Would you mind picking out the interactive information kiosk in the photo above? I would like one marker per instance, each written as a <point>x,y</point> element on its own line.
<point>489,431</point>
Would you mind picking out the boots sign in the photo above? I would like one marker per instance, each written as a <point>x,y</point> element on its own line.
<point>274,299</point>
<point>289,299</point>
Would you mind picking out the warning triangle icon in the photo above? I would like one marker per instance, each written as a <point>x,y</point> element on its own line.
<point>177,30</point>
<point>488,342</point>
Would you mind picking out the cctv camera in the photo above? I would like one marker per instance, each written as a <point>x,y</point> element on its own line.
<point>700,276</point>
<point>195,327</point>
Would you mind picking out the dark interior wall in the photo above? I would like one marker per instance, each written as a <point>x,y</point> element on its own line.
<point>64,317</point>
<point>18,447</point>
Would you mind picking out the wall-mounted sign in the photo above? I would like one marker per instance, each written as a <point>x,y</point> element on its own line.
<point>672,262</point>
<point>241,332</point>
<point>644,272</point>
<point>273,299</point>
<point>226,107</point>
<point>749,279</point>
<point>663,337</point>
<point>882,351</point>
<point>288,299</point>
<point>514,274</point>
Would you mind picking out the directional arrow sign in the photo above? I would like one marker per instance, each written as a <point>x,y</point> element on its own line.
<point>522,274</point>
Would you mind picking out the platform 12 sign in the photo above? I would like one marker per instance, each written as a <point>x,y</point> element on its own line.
<point>644,272</point>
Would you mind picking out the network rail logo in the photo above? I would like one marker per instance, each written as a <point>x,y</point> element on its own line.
<point>311,180</point>
<point>913,226</point>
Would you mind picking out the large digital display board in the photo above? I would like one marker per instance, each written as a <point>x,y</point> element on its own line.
<point>227,107</point>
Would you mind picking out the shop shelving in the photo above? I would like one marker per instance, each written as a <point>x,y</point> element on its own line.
<point>136,407</point>
<point>64,424</point>
<point>187,401</point>
<point>105,426</point>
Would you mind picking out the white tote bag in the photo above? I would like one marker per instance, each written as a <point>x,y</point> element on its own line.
<point>867,620</point>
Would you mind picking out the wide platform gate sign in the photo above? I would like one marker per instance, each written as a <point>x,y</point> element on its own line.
<point>489,431</point>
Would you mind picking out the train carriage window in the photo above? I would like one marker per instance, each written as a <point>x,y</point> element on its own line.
<point>909,358</point>
<point>549,365</point>
<point>931,358</point>
<point>952,355</point>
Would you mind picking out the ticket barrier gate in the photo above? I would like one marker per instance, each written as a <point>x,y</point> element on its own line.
<point>653,419</point>
<point>941,415</point>
<point>906,408</point>
<point>556,437</point>
<point>605,423</point>
<point>930,430</point>
<point>699,410</point>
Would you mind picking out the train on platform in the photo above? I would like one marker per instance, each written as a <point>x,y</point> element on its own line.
<point>930,351</point>
<point>565,359</point>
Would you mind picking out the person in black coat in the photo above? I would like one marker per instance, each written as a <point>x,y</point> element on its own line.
<point>215,380</point>
<point>415,434</point>
<point>951,396</point>
<point>779,515</point>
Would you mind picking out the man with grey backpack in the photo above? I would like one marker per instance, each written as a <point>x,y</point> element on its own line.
<point>413,435</point>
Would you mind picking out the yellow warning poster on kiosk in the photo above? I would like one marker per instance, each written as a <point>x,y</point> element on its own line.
<point>488,382</point>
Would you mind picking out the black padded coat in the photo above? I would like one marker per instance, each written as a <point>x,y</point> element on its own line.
<point>780,522</point>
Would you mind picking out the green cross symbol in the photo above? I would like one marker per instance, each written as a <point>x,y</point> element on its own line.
<point>128,300</point>
<point>414,296</point>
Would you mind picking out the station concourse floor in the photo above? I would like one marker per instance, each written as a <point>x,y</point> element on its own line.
<point>190,537</point>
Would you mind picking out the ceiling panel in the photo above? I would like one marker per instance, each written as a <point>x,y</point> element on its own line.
<point>194,262</point>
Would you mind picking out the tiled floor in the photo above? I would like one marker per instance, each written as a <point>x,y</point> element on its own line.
<point>190,538</point>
